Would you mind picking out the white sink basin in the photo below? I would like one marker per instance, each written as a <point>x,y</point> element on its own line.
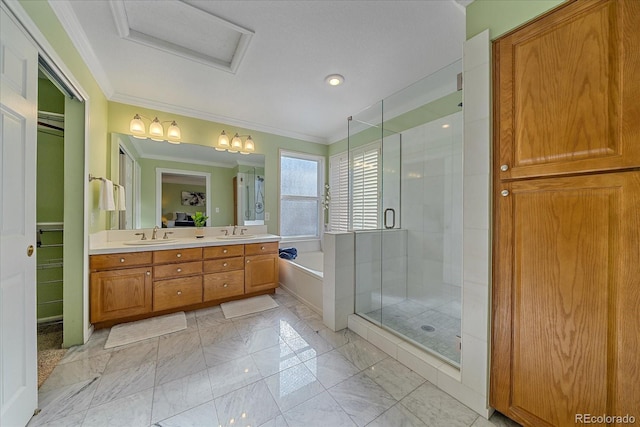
<point>236,236</point>
<point>149,242</point>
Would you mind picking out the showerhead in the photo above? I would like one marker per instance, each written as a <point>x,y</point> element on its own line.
<point>259,178</point>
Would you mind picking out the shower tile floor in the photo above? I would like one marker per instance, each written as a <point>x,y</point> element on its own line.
<point>277,368</point>
<point>415,320</point>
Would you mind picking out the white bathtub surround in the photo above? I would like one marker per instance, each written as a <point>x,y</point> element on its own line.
<point>302,278</point>
<point>338,291</point>
<point>309,245</point>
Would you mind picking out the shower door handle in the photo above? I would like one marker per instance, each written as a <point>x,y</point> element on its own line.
<point>386,218</point>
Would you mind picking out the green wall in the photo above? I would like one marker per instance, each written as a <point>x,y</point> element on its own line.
<point>501,16</point>
<point>221,191</point>
<point>74,153</point>
<point>172,198</point>
<point>198,131</point>
<point>49,203</point>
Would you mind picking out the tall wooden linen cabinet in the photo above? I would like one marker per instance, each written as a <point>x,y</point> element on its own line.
<point>566,212</point>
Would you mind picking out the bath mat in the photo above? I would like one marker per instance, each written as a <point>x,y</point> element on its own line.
<point>247,306</point>
<point>127,333</point>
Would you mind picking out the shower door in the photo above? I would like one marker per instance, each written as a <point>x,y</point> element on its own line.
<point>380,245</point>
<point>405,164</point>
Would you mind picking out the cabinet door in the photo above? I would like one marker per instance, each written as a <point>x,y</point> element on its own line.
<point>120,293</point>
<point>260,272</point>
<point>567,91</point>
<point>566,292</point>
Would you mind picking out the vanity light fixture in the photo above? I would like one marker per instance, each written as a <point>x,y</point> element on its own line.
<point>235,145</point>
<point>156,130</point>
<point>334,79</point>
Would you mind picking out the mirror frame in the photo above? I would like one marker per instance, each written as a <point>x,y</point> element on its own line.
<point>160,171</point>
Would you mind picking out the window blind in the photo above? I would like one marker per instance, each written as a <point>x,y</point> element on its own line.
<point>339,190</point>
<point>365,189</point>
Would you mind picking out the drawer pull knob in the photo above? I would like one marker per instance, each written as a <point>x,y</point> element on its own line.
<point>225,285</point>
<point>262,247</point>
<point>224,251</point>
<point>179,270</point>
<point>504,193</point>
<point>504,168</point>
<point>148,273</point>
<point>121,259</point>
<point>179,255</point>
<point>225,264</point>
<point>248,261</point>
<point>179,292</point>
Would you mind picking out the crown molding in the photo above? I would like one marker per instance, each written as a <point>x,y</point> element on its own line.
<point>224,120</point>
<point>67,17</point>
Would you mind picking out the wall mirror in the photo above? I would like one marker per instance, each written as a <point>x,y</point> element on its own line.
<point>166,183</point>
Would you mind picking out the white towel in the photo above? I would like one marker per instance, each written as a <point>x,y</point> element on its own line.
<point>106,202</point>
<point>120,197</point>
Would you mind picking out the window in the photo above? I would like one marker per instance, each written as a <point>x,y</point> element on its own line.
<point>301,183</point>
<point>365,189</point>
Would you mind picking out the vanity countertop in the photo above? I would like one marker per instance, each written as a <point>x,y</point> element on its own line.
<point>121,246</point>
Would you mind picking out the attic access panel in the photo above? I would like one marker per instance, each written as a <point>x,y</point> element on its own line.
<point>180,29</point>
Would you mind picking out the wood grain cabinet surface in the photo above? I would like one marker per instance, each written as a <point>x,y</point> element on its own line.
<point>566,215</point>
<point>119,293</point>
<point>129,286</point>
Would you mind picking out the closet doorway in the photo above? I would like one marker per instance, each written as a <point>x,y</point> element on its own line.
<point>53,96</point>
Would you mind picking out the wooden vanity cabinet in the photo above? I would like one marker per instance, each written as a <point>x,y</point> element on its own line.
<point>224,272</point>
<point>117,288</point>
<point>132,286</point>
<point>177,277</point>
<point>261,267</point>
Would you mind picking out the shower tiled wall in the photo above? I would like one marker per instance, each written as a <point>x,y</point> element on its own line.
<point>381,277</point>
<point>432,211</point>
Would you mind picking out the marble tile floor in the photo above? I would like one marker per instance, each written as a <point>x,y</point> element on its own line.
<point>408,318</point>
<point>278,368</point>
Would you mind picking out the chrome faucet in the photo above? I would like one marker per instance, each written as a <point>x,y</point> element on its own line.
<point>154,236</point>
<point>235,229</point>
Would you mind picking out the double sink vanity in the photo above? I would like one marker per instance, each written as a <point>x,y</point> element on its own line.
<point>132,279</point>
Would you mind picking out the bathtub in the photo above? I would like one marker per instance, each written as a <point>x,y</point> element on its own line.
<point>302,277</point>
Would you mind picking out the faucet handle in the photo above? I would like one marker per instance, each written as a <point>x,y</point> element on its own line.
<point>166,234</point>
<point>242,230</point>
<point>144,236</point>
<point>226,232</point>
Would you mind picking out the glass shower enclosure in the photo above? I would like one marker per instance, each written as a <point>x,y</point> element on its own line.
<point>405,193</point>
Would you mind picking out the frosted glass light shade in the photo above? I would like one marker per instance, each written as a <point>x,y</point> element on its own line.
<point>236,144</point>
<point>136,127</point>
<point>249,146</point>
<point>173,133</point>
<point>156,131</point>
<point>223,142</point>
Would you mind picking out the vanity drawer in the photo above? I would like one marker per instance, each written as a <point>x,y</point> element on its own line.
<point>223,264</point>
<point>223,251</point>
<point>177,270</point>
<point>177,255</point>
<point>174,293</point>
<point>261,248</point>
<point>122,260</point>
<point>223,285</point>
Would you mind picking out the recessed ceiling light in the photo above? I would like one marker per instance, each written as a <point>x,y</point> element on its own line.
<point>444,126</point>
<point>334,79</point>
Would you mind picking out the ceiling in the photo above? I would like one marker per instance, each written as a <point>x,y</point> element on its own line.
<point>261,65</point>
